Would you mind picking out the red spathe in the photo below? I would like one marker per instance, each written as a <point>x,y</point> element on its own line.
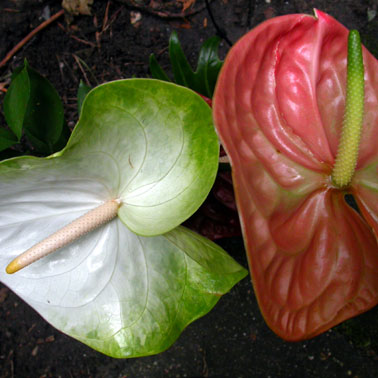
<point>278,109</point>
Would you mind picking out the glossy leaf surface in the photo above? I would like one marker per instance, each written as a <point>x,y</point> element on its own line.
<point>16,101</point>
<point>156,70</point>
<point>279,107</point>
<point>208,66</point>
<point>32,105</point>
<point>121,293</point>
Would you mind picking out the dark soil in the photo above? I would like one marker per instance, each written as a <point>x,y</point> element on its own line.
<point>233,340</point>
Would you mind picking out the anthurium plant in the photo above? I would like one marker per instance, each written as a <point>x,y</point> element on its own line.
<point>298,117</point>
<point>141,160</point>
<point>217,218</point>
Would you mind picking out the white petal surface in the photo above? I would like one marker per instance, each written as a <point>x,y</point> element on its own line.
<point>123,294</point>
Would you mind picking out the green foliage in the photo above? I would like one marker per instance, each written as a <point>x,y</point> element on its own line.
<point>16,102</point>
<point>7,139</point>
<point>156,70</point>
<point>82,92</point>
<point>32,107</point>
<point>208,66</point>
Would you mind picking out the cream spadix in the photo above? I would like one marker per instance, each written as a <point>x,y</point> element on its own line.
<point>66,235</point>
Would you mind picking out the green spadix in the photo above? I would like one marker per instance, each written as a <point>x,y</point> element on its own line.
<point>347,153</point>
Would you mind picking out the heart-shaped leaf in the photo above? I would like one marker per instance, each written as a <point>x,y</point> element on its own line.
<point>151,144</point>
<point>162,165</point>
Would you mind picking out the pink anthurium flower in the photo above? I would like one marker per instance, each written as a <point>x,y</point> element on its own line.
<point>279,107</point>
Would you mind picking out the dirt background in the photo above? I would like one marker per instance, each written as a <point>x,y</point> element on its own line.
<point>233,340</point>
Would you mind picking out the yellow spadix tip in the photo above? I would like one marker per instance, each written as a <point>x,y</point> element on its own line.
<point>14,266</point>
<point>66,235</point>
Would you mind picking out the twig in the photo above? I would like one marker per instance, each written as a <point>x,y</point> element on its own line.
<point>30,36</point>
<point>166,15</point>
<point>106,17</point>
<point>89,43</point>
<point>75,37</point>
<point>69,69</point>
<point>114,17</point>
<point>82,69</point>
<point>106,23</point>
<point>11,10</point>
<point>220,32</point>
<point>2,87</point>
<point>10,359</point>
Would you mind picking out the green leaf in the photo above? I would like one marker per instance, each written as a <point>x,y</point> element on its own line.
<point>204,78</point>
<point>44,116</point>
<point>169,134</point>
<point>151,144</point>
<point>16,101</point>
<point>33,105</point>
<point>82,92</point>
<point>64,136</point>
<point>182,71</point>
<point>156,70</point>
<point>7,139</point>
<point>46,149</point>
<point>208,66</point>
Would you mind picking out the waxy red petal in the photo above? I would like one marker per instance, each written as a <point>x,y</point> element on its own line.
<point>278,109</point>
<point>315,281</point>
<point>313,259</point>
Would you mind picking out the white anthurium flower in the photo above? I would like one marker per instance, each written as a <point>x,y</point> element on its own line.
<point>129,287</point>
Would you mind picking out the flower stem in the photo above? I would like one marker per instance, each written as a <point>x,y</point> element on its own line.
<point>347,153</point>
